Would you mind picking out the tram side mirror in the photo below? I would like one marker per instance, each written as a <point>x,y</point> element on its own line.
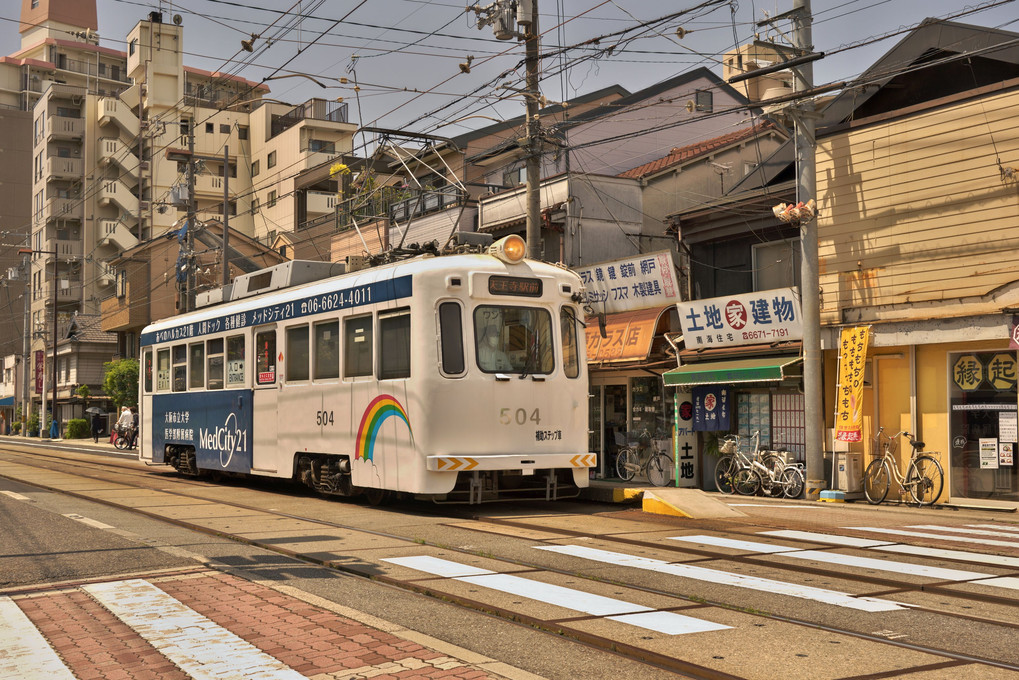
<point>601,324</point>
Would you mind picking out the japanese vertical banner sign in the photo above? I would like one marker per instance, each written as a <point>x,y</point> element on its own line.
<point>849,411</point>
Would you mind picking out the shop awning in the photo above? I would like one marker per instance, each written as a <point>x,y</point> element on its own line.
<point>759,369</point>
<point>6,401</point>
<point>628,335</point>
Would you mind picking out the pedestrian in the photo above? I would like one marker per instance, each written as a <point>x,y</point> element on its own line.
<point>97,426</point>
<point>3,424</point>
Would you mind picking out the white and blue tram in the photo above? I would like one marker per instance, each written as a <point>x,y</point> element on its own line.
<point>459,378</point>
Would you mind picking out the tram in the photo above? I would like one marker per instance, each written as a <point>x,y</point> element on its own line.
<point>455,377</point>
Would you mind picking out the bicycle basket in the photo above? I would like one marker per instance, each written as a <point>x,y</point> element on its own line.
<point>727,446</point>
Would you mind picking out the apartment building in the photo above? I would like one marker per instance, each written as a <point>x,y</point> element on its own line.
<point>127,145</point>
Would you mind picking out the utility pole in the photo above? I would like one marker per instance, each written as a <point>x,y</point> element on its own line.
<point>226,215</point>
<point>810,293</point>
<point>54,428</point>
<point>500,15</point>
<point>532,129</point>
<point>189,241</point>
<point>26,405</point>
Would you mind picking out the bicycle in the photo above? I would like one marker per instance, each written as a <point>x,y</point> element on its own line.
<point>124,436</point>
<point>924,477</point>
<point>639,456</point>
<point>760,471</point>
<point>734,471</point>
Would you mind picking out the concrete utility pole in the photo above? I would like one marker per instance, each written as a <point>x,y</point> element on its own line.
<point>533,129</point>
<point>226,215</point>
<point>189,242</point>
<point>501,17</point>
<point>810,297</point>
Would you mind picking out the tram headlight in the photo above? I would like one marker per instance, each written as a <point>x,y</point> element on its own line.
<point>510,249</point>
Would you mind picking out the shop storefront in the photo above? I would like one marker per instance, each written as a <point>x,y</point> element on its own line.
<point>627,397</point>
<point>741,369</point>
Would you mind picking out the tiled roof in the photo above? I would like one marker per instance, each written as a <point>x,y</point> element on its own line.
<point>685,153</point>
<point>86,328</point>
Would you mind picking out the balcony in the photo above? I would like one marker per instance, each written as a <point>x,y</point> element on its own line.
<point>62,127</point>
<point>124,313</point>
<point>313,109</point>
<point>320,202</point>
<point>69,291</point>
<point>112,110</point>
<point>62,208</point>
<point>64,249</point>
<point>210,186</point>
<point>113,150</point>
<point>115,192</point>
<point>64,168</point>
<point>116,233</point>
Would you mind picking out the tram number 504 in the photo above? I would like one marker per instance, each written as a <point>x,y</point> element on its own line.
<point>323,418</point>
<point>520,416</point>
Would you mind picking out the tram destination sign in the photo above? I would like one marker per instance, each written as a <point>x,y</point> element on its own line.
<point>749,319</point>
<point>242,316</point>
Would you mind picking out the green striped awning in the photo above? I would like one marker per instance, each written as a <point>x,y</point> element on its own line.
<point>761,369</point>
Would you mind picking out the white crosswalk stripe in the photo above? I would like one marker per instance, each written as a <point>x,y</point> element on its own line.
<point>964,530</point>
<point>25,652</point>
<point>943,537</point>
<point>198,646</point>
<point>834,597</point>
<point>613,609</point>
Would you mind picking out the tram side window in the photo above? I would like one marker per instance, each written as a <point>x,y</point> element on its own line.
<point>196,353</point>
<point>394,345</point>
<point>265,358</point>
<point>148,371</point>
<point>297,353</point>
<point>163,370</point>
<point>327,350</point>
<point>451,338</point>
<point>235,360</point>
<point>357,347</point>
<point>568,325</point>
<point>180,368</point>
<point>214,350</point>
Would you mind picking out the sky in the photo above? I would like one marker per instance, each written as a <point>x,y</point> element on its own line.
<point>406,55</point>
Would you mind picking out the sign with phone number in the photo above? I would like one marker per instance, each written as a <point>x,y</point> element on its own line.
<point>748,319</point>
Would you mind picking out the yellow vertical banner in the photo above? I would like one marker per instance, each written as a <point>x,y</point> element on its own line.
<point>849,410</point>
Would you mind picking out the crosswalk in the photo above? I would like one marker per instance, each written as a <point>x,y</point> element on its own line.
<point>200,647</point>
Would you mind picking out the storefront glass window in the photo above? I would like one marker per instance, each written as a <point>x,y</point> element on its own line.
<point>647,408</point>
<point>982,430</point>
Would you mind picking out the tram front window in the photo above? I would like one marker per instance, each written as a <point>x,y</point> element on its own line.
<point>513,340</point>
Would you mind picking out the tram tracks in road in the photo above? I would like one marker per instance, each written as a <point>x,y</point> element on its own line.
<point>129,474</point>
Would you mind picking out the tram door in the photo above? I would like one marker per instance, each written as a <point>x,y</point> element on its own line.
<point>266,398</point>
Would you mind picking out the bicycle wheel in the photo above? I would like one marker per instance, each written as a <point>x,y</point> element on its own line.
<point>792,482</point>
<point>121,442</point>
<point>924,479</point>
<point>725,470</point>
<point>876,480</point>
<point>747,482</point>
<point>658,469</point>
<point>627,464</point>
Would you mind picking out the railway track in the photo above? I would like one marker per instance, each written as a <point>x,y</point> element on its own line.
<point>702,599</point>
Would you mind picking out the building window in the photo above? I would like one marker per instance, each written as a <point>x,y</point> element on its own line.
<point>703,101</point>
<point>321,146</point>
<point>210,128</point>
<point>255,169</point>
<point>131,46</point>
<point>242,133</point>
<point>514,178</point>
<point>224,129</point>
<point>270,161</point>
<point>270,199</point>
<point>254,206</point>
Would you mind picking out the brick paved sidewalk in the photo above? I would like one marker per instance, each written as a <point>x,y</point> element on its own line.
<point>95,641</point>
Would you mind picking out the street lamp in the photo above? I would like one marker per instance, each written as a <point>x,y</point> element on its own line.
<point>54,430</point>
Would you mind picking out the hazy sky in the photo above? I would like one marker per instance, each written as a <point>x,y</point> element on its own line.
<point>408,51</point>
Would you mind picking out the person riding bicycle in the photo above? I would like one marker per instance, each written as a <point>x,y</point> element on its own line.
<point>125,422</point>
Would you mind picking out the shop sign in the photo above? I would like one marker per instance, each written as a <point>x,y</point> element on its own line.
<point>749,319</point>
<point>968,372</point>
<point>40,369</point>
<point>640,282</point>
<point>685,440</point>
<point>1001,371</point>
<point>849,409</point>
<point>711,408</point>
<point>1013,333</point>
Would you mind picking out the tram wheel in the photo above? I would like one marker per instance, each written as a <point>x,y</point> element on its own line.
<point>376,497</point>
